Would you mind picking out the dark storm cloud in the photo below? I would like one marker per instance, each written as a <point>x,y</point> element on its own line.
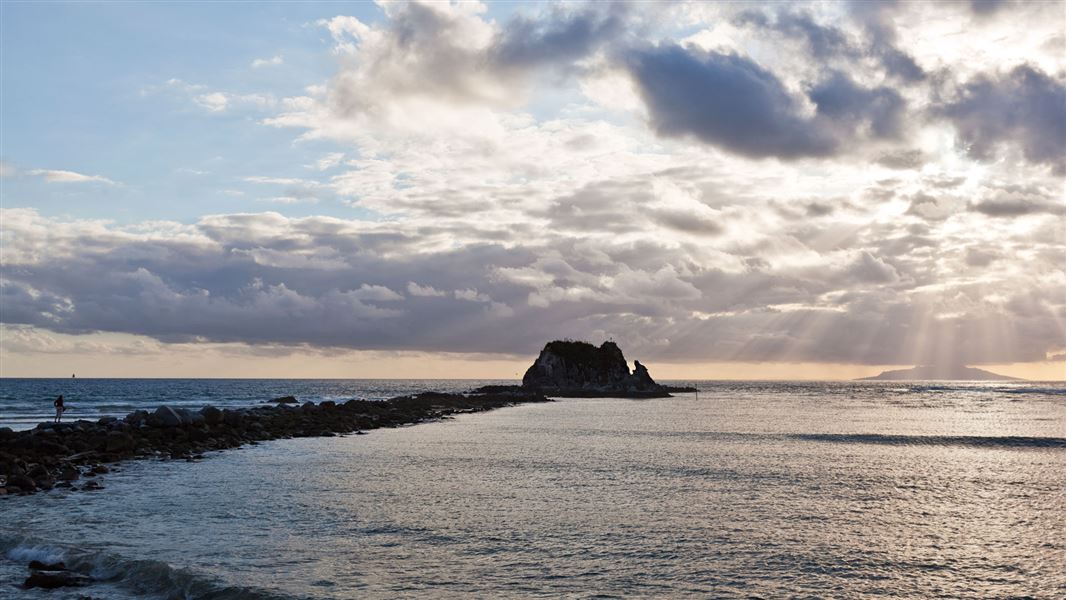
<point>1025,108</point>
<point>1016,207</point>
<point>731,102</point>
<point>1016,200</point>
<point>828,43</point>
<point>724,100</point>
<point>876,18</point>
<point>987,7</point>
<point>562,37</point>
<point>323,282</point>
<point>844,102</point>
<point>823,41</point>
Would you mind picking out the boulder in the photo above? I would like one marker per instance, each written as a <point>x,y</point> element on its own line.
<point>37,565</point>
<point>137,417</point>
<point>285,400</point>
<point>117,441</point>
<point>189,417</point>
<point>22,482</point>
<point>51,580</point>
<point>233,418</point>
<point>164,416</point>
<point>212,415</point>
<point>69,473</point>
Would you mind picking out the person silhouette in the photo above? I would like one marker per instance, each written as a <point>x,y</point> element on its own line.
<point>59,407</point>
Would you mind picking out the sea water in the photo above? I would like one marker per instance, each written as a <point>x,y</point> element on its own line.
<point>831,490</point>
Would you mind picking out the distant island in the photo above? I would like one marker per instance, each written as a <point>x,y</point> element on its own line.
<point>939,373</point>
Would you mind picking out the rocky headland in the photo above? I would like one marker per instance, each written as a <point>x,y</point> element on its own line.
<point>579,369</point>
<point>72,455</point>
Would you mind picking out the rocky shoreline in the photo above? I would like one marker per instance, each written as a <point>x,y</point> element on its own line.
<point>71,455</point>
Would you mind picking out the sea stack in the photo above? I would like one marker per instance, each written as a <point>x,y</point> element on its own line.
<point>580,369</point>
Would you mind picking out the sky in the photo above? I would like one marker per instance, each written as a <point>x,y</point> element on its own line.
<point>808,190</point>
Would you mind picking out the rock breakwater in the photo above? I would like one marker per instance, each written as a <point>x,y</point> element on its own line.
<point>71,455</point>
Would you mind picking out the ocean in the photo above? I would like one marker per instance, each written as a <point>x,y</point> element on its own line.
<point>744,490</point>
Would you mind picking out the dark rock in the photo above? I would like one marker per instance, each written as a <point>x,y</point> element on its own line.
<point>232,418</point>
<point>212,415</point>
<point>117,441</point>
<point>69,473</point>
<point>189,417</point>
<point>22,482</point>
<point>164,416</point>
<point>40,566</point>
<point>51,580</point>
<point>285,400</point>
<point>137,417</point>
<point>640,378</point>
<point>568,368</point>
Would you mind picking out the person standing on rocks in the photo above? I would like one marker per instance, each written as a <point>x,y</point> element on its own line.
<point>59,407</point>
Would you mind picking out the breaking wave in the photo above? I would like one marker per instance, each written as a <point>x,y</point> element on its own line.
<point>140,578</point>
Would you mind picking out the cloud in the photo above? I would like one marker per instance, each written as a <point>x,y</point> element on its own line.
<point>1016,200</point>
<point>59,176</point>
<point>265,279</point>
<point>426,291</point>
<point>987,7</point>
<point>558,39</point>
<point>218,102</point>
<point>725,100</point>
<point>823,41</point>
<point>1022,108</point>
<point>328,161</point>
<point>731,102</point>
<point>877,19</point>
<point>7,169</point>
<point>902,159</point>
<point>841,100</point>
<point>1016,207</point>
<point>267,62</point>
<point>874,42</point>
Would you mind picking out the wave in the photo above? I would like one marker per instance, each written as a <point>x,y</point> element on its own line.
<point>143,578</point>
<point>934,440</point>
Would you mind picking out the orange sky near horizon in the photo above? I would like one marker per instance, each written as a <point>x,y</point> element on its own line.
<point>223,361</point>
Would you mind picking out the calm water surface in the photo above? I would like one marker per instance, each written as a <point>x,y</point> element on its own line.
<point>844,490</point>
